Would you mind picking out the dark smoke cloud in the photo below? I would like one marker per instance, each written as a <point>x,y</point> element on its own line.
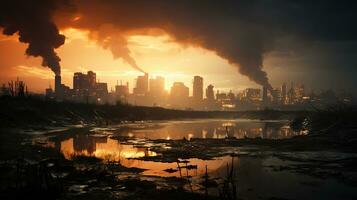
<point>209,25</point>
<point>241,31</point>
<point>110,38</point>
<point>32,21</point>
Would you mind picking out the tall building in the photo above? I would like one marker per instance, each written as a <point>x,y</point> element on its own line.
<point>157,86</point>
<point>291,94</point>
<point>197,88</point>
<point>142,85</point>
<point>80,83</point>
<point>91,79</point>
<point>284,93</point>
<point>101,91</point>
<point>265,95</point>
<point>179,95</point>
<point>210,93</point>
<point>179,90</point>
<point>276,95</point>
<point>299,92</point>
<point>87,89</point>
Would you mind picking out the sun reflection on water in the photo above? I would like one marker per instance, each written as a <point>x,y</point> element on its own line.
<point>101,146</point>
<point>112,150</point>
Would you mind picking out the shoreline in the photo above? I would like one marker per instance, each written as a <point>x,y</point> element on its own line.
<point>322,156</point>
<point>37,113</point>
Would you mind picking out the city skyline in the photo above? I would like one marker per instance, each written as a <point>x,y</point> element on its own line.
<point>150,91</point>
<point>222,73</point>
<point>234,52</point>
<point>188,81</point>
<point>178,99</point>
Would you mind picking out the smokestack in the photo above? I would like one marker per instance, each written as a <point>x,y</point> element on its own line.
<point>58,87</point>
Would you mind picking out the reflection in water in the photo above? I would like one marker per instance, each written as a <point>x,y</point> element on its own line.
<point>108,149</point>
<point>101,147</point>
<point>216,129</point>
<point>254,179</point>
<point>111,150</point>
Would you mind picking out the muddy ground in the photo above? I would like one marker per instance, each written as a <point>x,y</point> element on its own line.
<point>31,170</point>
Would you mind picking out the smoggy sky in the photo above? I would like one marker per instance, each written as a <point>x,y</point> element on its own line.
<point>232,44</point>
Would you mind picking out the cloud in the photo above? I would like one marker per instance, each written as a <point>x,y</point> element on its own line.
<point>110,38</point>
<point>32,21</point>
<point>33,71</point>
<point>240,31</point>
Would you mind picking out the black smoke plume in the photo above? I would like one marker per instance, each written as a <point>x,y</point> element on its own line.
<point>32,21</point>
<point>110,38</point>
<point>241,31</point>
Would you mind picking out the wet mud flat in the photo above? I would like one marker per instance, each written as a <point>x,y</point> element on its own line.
<point>102,162</point>
<point>317,158</point>
<point>36,171</point>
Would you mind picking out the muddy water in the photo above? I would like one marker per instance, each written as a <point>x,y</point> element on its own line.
<point>254,178</point>
<point>112,150</point>
<point>98,143</point>
<point>257,181</point>
<point>212,129</point>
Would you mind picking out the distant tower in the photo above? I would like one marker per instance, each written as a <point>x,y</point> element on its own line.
<point>146,83</point>
<point>210,93</point>
<point>198,88</point>
<point>142,85</point>
<point>157,86</point>
<point>291,94</point>
<point>91,79</point>
<point>265,95</point>
<point>284,93</point>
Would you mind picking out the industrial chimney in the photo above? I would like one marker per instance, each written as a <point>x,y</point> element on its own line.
<point>58,87</point>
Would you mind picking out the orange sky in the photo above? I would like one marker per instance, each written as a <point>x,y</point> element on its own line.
<point>181,41</point>
<point>158,55</point>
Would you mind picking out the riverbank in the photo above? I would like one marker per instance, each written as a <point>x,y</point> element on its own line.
<point>31,170</point>
<point>93,162</point>
<point>48,153</point>
<point>37,113</point>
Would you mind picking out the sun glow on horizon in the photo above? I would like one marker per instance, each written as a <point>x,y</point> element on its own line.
<point>158,54</point>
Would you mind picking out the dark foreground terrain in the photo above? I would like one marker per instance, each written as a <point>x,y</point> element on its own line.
<point>36,113</point>
<point>32,169</point>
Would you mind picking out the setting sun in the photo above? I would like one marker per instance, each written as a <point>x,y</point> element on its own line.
<point>178,99</point>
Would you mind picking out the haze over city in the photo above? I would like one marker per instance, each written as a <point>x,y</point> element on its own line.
<point>284,46</point>
<point>178,99</point>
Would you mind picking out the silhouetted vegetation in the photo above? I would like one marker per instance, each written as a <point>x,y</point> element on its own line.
<point>16,88</point>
